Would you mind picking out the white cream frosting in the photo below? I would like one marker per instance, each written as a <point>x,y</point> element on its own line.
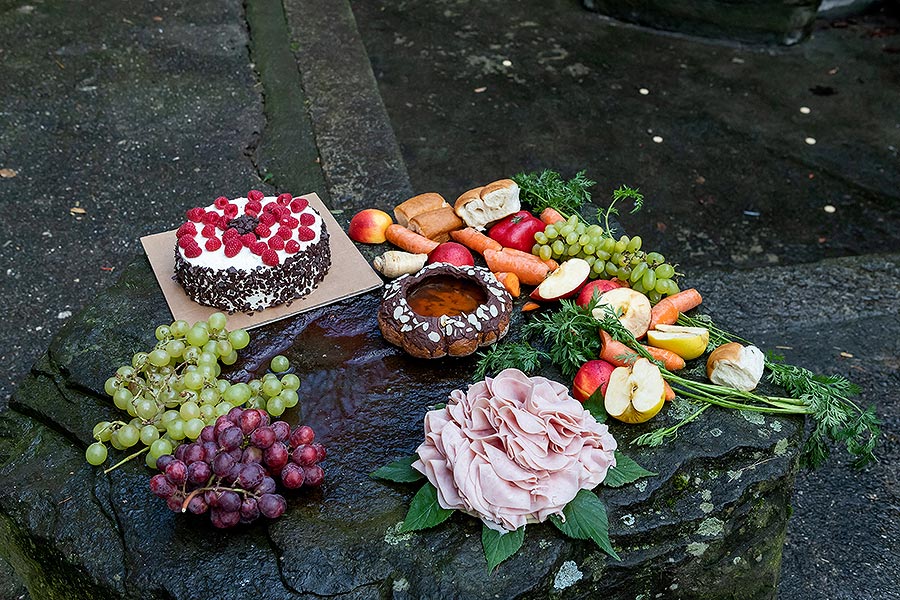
<point>246,260</point>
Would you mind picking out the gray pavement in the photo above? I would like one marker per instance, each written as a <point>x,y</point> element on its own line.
<point>130,111</point>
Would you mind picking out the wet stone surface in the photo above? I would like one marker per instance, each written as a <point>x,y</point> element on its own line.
<point>711,522</point>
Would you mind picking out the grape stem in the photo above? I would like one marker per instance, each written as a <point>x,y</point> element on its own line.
<point>126,459</point>
<point>215,488</point>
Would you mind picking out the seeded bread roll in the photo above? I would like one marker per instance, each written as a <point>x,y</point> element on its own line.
<point>479,207</point>
<point>736,366</point>
<point>436,224</point>
<point>417,205</point>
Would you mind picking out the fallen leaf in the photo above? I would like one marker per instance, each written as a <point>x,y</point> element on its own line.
<point>157,19</point>
<point>846,355</point>
<point>7,173</point>
<point>107,268</point>
<point>77,210</point>
<point>478,90</point>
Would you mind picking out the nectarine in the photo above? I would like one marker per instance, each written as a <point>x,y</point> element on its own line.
<point>592,375</point>
<point>368,226</point>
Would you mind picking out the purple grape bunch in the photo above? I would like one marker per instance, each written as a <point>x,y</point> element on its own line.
<point>231,470</point>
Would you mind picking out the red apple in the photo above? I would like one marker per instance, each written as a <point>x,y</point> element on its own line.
<point>596,287</point>
<point>368,226</point>
<point>453,253</point>
<point>592,375</point>
<point>563,282</point>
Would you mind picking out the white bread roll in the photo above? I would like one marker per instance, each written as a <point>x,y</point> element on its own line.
<point>480,207</point>
<point>736,366</point>
<point>417,205</point>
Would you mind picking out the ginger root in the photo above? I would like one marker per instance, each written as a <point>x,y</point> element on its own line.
<point>395,263</point>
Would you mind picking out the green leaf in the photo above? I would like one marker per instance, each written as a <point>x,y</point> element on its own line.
<point>625,471</point>
<point>424,510</point>
<point>400,471</point>
<point>585,519</point>
<point>500,546</point>
<point>594,405</point>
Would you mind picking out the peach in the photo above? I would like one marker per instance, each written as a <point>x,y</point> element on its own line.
<point>453,253</point>
<point>592,375</point>
<point>368,226</point>
<point>598,286</point>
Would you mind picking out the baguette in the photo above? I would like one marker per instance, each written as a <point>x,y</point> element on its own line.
<point>417,205</point>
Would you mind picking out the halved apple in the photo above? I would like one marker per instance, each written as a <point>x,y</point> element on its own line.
<point>635,393</point>
<point>686,342</point>
<point>563,282</point>
<point>632,307</point>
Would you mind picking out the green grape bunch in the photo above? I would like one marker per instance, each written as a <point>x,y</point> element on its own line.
<point>173,391</point>
<point>646,272</point>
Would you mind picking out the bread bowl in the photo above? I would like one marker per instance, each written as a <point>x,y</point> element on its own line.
<point>414,316</point>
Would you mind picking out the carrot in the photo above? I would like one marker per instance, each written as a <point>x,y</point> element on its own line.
<point>530,271</point>
<point>510,281</point>
<point>551,263</point>
<point>530,306</point>
<point>615,352</point>
<point>551,215</point>
<point>669,359</point>
<point>670,393</point>
<point>666,310</point>
<point>475,240</point>
<point>408,240</point>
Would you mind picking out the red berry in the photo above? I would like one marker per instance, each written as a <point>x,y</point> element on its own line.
<point>270,257</point>
<point>291,247</point>
<point>232,247</point>
<point>186,229</point>
<point>255,195</point>
<point>305,234</point>
<point>307,219</point>
<point>231,232</point>
<point>271,206</point>
<point>299,204</point>
<point>196,214</point>
<point>267,219</point>
<point>222,223</point>
<point>210,218</point>
<point>186,241</point>
<point>276,243</point>
<point>248,239</point>
<point>284,199</point>
<point>254,205</point>
<point>213,244</point>
<point>290,221</point>
<point>193,251</point>
<point>262,231</point>
<point>285,233</point>
<point>208,231</point>
<point>231,211</point>
<point>221,202</point>
<point>258,248</point>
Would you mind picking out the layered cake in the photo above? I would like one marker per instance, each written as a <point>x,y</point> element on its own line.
<point>250,253</point>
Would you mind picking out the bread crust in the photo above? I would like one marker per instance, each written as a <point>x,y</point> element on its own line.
<point>496,185</point>
<point>466,197</point>
<point>408,210</point>
<point>436,224</point>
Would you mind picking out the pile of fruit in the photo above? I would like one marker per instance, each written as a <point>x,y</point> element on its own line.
<point>211,438</point>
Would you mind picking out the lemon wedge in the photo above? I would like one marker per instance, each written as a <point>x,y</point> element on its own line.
<point>686,342</point>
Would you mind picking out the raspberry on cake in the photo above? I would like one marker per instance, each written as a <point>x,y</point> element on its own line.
<point>251,253</point>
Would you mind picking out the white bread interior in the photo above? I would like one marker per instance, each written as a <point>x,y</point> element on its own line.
<point>494,201</point>
<point>736,366</point>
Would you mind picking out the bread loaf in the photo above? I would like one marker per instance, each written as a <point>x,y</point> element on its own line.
<point>736,366</point>
<point>417,205</point>
<point>436,224</point>
<point>479,207</point>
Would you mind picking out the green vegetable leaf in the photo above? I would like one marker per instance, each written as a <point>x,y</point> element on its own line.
<point>594,405</point>
<point>548,189</point>
<point>520,355</point>
<point>424,510</point>
<point>400,471</point>
<point>625,471</point>
<point>584,518</point>
<point>500,546</point>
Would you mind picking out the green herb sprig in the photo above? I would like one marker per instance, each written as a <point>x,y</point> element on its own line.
<point>548,189</point>
<point>570,333</point>
<point>623,193</point>
<point>519,355</point>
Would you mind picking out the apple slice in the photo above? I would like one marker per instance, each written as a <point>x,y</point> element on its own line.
<point>686,342</point>
<point>636,393</point>
<point>598,286</point>
<point>632,307</point>
<point>563,282</point>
